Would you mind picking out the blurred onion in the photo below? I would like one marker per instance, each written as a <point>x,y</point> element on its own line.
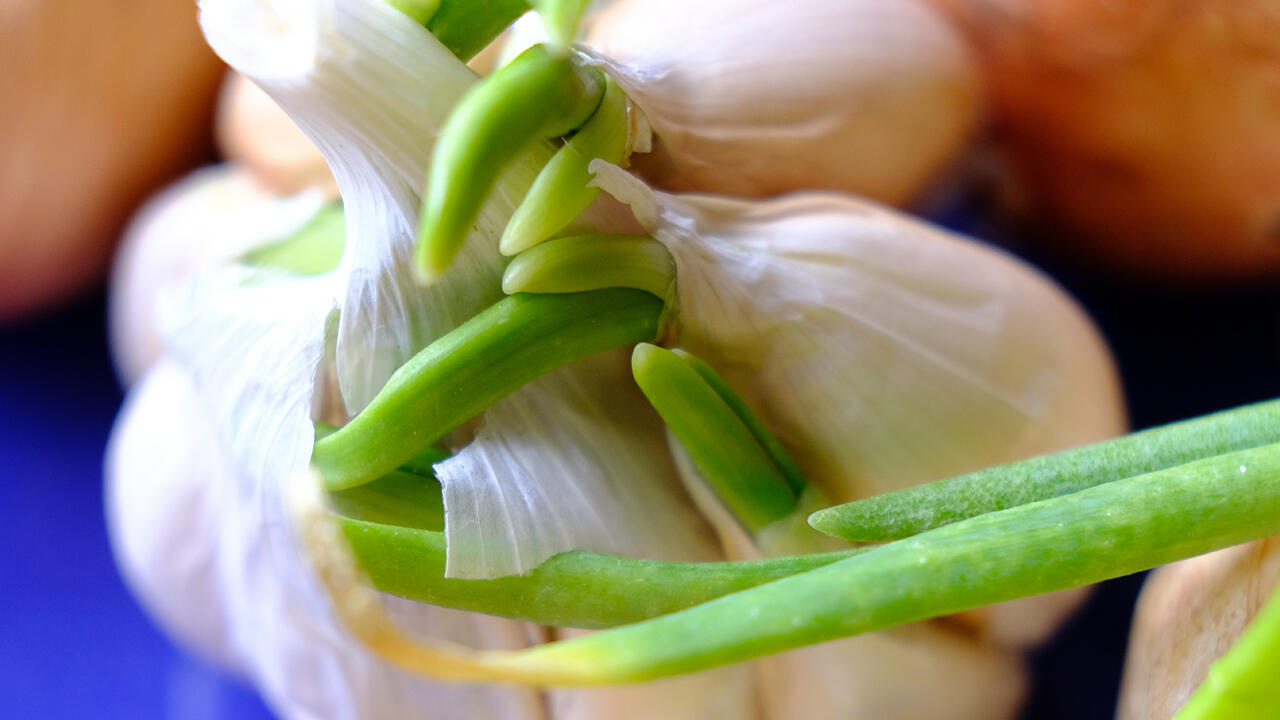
<point>1149,130</point>
<point>102,102</point>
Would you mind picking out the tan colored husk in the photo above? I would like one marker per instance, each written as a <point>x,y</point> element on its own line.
<point>1188,615</point>
<point>1145,131</point>
<point>757,98</point>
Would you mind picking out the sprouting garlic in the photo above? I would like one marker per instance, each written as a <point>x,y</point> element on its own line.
<point>757,98</point>
<point>1188,615</point>
<point>883,352</point>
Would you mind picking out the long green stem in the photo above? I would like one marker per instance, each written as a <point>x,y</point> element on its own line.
<point>451,380</point>
<point>539,95</point>
<point>573,589</point>
<point>907,512</point>
<point>1099,533</point>
<point>1241,685</point>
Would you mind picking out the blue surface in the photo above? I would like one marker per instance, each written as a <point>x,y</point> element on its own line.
<point>73,644</point>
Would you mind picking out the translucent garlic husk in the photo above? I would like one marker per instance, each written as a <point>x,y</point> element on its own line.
<point>205,219</point>
<point>220,569</point>
<point>883,352</point>
<point>758,98</point>
<point>1188,615</point>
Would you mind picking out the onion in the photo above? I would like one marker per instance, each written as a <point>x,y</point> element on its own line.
<point>1149,131</point>
<point>103,101</point>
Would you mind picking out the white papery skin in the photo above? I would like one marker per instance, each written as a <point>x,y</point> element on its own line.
<point>576,419</point>
<point>208,218</point>
<point>371,88</point>
<point>883,352</point>
<point>758,98</point>
<point>213,557</point>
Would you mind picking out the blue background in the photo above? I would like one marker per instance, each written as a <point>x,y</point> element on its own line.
<point>73,644</point>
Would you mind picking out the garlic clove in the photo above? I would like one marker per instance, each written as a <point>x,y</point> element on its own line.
<point>161,517</point>
<point>759,98</point>
<point>883,352</point>
<point>217,564</point>
<point>1189,614</point>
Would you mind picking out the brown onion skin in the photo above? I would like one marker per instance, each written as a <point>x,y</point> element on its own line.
<point>102,102</point>
<point>1147,134</point>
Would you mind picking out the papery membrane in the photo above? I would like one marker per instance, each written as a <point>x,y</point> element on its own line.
<point>574,460</point>
<point>884,353</point>
<point>372,88</point>
<point>236,585</point>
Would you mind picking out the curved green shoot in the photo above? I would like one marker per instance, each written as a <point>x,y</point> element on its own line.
<point>722,447</point>
<point>516,340</point>
<point>768,441</point>
<point>573,589</point>
<point>907,512</point>
<point>591,262</point>
<point>1241,685</point>
<point>539,95</point>
<point>1103,532</point>
<point>562,191</point>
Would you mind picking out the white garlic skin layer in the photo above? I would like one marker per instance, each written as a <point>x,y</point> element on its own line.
<point>882,351</point>
<point>755,98</point>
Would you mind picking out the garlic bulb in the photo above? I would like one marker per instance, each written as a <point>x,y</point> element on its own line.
<point>872,97</point>
<point>1188,615</point>
<point>883,352</point>
<point>103,102</point>
<point>1146,132</point>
